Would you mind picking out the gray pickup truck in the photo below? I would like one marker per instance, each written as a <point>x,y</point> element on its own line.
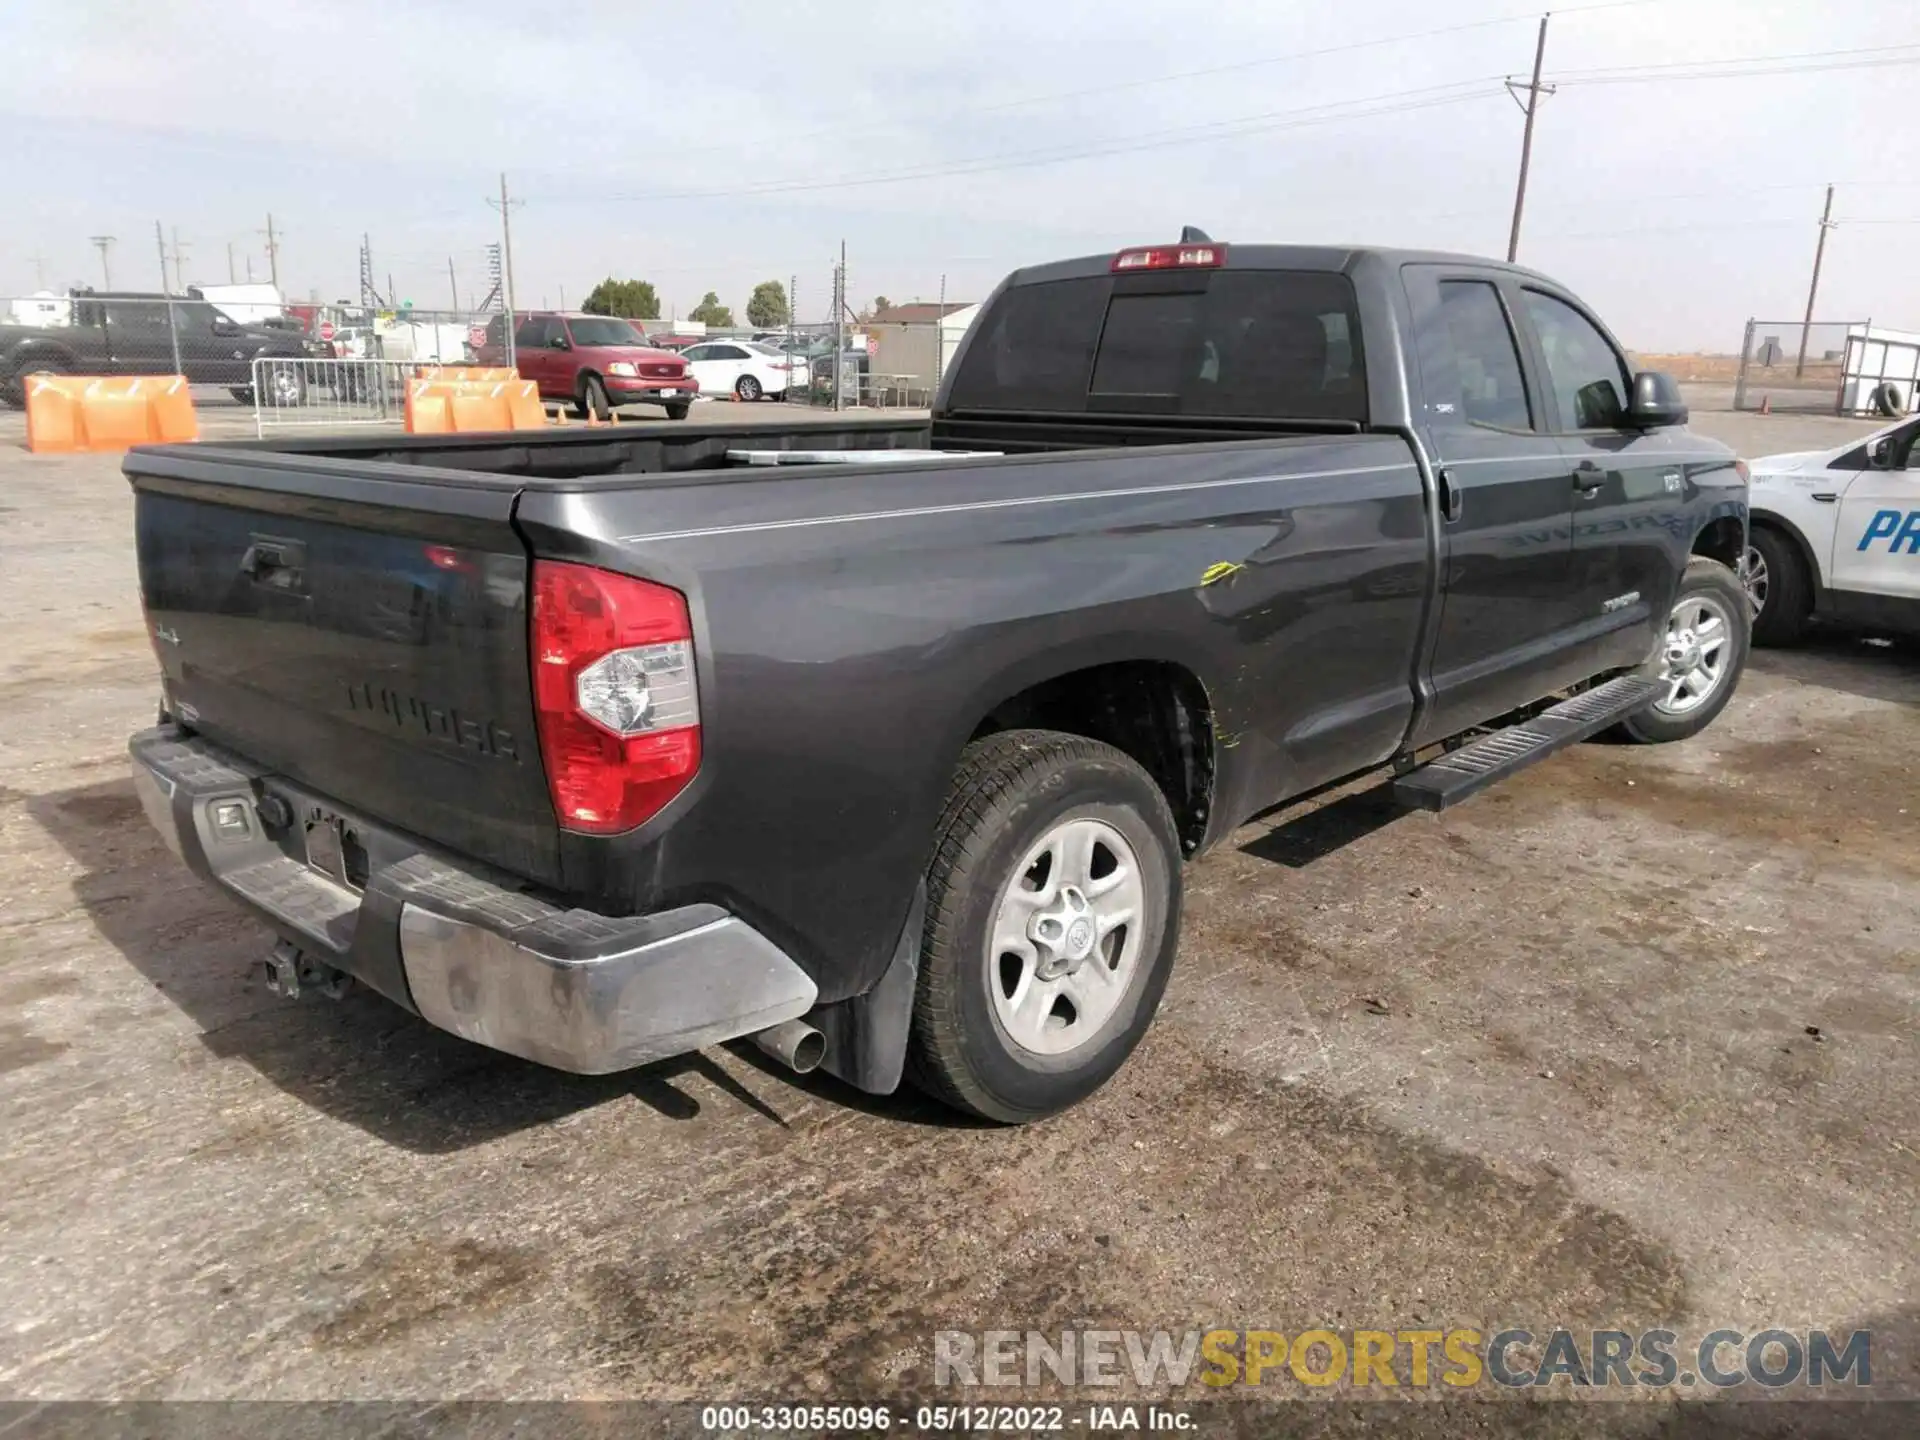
<point>598,746</point>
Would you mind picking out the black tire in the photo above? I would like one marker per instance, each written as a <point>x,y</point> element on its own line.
<point>242,394</point>
<point>678,412</point>
<point>14,392</point>
<point>593,399</point>
<point>1010,789</point>
<point>1886,400</point>
<point>1788,602</point>
<point>1711,579</point>
<point>748,388</point>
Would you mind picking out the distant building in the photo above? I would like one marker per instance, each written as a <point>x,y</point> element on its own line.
<point>912,344</point>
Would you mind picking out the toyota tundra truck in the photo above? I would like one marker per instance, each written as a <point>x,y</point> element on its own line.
<point>885,742</point>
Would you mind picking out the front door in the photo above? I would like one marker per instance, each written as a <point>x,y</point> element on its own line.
<point>1631,488</point>
<point>1506,502</point>
<point>1876,541</point>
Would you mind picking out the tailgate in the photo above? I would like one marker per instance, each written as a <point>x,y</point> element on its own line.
<point>364,635</point>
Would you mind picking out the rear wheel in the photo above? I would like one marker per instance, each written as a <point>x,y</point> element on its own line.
<point>1700,656</point>
<point>1778,587</point>
<point>748,388</point>
<point>14,392</point>
<point>593,399</point>
<point>1053,912</point>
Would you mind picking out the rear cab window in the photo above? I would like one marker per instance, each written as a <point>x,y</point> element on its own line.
<point>1258,344</point>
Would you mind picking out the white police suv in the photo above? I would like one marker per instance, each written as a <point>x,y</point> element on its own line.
<point>1836,532</point>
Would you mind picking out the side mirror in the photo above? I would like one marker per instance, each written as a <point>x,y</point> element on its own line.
<point>223,326</point>
<point>1656,401</point>
<point>560,342</point>
<point>1880,453</point>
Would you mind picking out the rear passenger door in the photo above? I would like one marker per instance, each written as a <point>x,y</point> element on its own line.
<point>1506,601</point>
<point>139,338</point>
<point>1629,487</point>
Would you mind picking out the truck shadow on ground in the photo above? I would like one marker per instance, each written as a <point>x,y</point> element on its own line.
<point>1856,662</point>
<point>361,1059</point>
<point>1298,840</point>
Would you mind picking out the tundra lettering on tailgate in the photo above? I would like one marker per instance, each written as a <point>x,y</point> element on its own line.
<point>1900,531</point>
<point>436,722</point>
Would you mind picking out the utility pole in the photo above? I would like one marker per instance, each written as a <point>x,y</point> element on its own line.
<point>940,335</point>
<point>1534,91</point>
<point>39,270</point>
<point>179,262</point>
<point>839,327</point>
<point>233,276</point>
<point>453,285</point>
<point>104,243</point>
<point>173,330</point>
<point>1813,290</point>
<point>506,204</point>
<point>273,253</point>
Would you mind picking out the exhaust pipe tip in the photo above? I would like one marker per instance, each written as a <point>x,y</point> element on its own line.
<point>795,1044</point>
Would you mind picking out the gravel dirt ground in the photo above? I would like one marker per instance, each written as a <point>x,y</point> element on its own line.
<point>1627,1041</point>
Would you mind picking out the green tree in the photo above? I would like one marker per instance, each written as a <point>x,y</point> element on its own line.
<point>767,306</point>
<point>880,302</point>
<point>711,312</point>
<point>629,299</point>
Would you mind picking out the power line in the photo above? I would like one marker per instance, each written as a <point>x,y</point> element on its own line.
<point>1150,140</point>
<point>1750,73</point>
<point>1207,72</point>
<point>1736,60</point>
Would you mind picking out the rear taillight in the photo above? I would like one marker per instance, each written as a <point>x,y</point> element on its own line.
<point>614,695</point>
<point>1170,257</point>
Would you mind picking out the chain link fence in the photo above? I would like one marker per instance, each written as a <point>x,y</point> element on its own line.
<point>322,365</point>
<point>215,345</point>
<point>1790,366</point>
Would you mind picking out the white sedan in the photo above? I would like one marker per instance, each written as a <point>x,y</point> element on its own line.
<point>743,368</point>
<point>1836,532</point>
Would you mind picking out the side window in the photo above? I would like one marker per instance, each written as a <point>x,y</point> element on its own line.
<point>1486,358</point>
<point>530,335</point>
<point>138,319</point>
<point>728,352</point>
<point>1587,375</point>
<point>697,352</point>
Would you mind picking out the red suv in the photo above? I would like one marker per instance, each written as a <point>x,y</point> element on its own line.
<point>596,361</point>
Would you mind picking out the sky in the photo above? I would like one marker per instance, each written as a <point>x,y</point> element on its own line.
<point>1678,169</point>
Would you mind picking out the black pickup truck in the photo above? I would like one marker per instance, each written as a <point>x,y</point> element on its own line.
<point>597,746</point>
<point>128,334</point>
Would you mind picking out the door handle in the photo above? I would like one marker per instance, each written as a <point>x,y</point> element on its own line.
<point>273,562</point>
<point>1588,477</point>
<point>1451,500</point>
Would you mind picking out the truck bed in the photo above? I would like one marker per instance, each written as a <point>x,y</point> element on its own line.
<point>852,624</point>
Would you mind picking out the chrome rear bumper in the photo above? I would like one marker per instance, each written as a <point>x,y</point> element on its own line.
<point>568,988</point>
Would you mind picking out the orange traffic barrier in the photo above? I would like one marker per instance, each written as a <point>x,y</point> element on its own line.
<point>441,407</point>
<point>491,374</point>
<point>69,413</point>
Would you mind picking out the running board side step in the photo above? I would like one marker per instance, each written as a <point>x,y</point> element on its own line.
<point>1473,767</point>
